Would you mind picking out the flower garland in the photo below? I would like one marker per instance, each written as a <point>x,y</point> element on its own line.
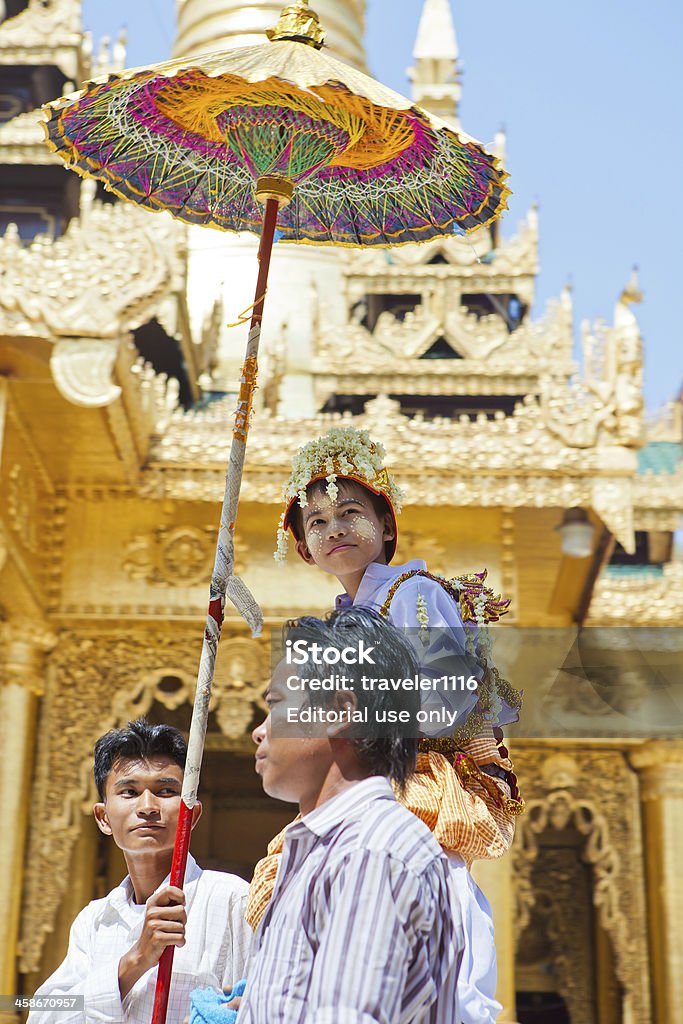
<point>423,617</point>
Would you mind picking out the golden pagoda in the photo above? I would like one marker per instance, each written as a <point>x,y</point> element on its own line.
<point>116,399</point>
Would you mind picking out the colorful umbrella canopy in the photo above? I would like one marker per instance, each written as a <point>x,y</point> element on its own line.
<point>278,134</point>
<point>192,136</point>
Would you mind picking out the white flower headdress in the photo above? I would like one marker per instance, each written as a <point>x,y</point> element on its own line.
<point>342,452</point>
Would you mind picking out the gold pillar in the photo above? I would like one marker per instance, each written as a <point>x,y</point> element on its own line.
<point>22,654</point>
<point>660,766</point>
<point>495,879</point>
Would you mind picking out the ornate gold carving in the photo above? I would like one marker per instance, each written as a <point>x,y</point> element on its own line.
<point>594,792</point>
<point>245,665</point>
<point>22,506</point>
<point>22,140</point>
<point>487,348</point>
<point>505,462</point>
<point>607,405</point>
<point>516,257</point>
<point>466,446</point>
<point>22,655</point>
<point>436,74</point>
<point>508,561</point>
<point>657,520</point>
<point>613,501</point>
<point>657,493</point>
<point>273,369</point>
<point>54,549</point>
<point>105,276</point>
<point>667,423</point>
<point>82,369</point>
<point>97,680</point>
<point>180,556</point>
<point>46,32</point>
<point>489,491</point>
<point>561,931</point>
<point>639,600</point>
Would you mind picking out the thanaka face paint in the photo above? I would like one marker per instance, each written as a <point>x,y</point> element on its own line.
<point>345,534</point>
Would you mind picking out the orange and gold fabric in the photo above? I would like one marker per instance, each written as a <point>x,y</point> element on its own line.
<point>468,811</point>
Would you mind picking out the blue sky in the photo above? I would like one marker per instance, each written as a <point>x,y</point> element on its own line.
<point>590,95</point>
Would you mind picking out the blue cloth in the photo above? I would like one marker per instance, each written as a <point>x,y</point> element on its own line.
<point>208,1006</point>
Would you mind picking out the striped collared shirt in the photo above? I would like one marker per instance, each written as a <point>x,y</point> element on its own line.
<point>358,930</point>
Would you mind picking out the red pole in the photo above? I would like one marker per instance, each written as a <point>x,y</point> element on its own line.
<point>211,637</point>
<point>264,253</point>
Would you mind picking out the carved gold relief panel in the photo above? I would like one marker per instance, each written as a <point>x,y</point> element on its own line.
<point>26,504</point>
<point>592,793</point>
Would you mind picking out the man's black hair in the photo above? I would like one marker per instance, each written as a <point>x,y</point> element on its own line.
<point>392,749</point>
<point>138,741</point>
<point>319,487</point>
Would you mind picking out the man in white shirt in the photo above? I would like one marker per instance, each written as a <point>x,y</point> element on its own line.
<point>360,927</point>
<point>116,942</point>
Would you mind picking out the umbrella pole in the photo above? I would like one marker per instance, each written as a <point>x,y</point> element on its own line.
<point>221,581</point>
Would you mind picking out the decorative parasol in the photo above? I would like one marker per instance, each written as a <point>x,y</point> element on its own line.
<point>281,137</point>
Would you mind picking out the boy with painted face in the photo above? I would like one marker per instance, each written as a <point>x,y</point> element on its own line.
<point>341,506</point>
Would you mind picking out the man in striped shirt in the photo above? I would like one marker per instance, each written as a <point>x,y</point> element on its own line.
<point>359,928</point>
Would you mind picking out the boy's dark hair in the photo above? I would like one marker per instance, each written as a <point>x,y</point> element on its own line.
<point>318,487</point>
<point>389,751</point>
<point>138,741</point>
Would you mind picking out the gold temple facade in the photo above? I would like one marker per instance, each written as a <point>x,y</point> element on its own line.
<point>116,398</point>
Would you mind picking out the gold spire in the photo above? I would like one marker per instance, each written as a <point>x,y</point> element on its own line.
<point>299,24</point>
<point>632,293</point>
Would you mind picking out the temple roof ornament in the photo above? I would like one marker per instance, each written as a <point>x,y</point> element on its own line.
<point>492,360</point>
<point>647,598</point>
<point>22,141</point>
<point>108,274</point>
<point>46,32</point>
<point>658,501</point>
<point>632,293</point>
<point>110,57</point>
<point>472,257</point>
<point>115,269</point>
<point>505,461</point>
<point>435,75</point>
<point>667,423</point>
<point>436,32</point>
<point>446,444</point>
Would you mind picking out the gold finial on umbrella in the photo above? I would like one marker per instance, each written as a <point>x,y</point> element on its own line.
<point>298,23</point>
